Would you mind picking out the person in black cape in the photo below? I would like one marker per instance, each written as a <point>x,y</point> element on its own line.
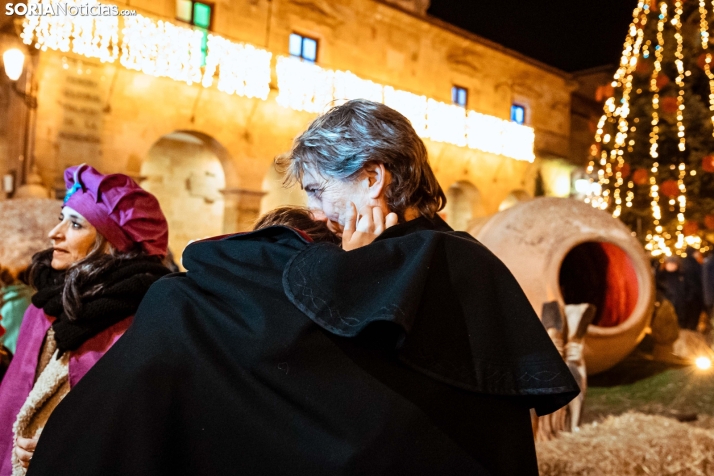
<point>418,354</point>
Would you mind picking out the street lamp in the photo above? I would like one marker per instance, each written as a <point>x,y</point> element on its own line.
<point>14,60</point>
<point>14,65</point>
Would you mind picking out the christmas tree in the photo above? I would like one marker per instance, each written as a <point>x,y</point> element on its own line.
<point>652,163</point>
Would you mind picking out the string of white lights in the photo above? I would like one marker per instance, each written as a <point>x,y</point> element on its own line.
<point>622,113</point>
<point>599,196</point>
<point>93,36</point>
<point>163,49</point>
<point>704,33</point>
<point>656,243</point>
<point>607,160</point>
<point>679,62</point>
<point>242,69</point>
<point>412,106</point>
<point>307,87</point>
<point>304,86</point>
<point>350,86</point>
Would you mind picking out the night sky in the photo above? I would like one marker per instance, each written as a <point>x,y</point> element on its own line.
<point>569,34</point>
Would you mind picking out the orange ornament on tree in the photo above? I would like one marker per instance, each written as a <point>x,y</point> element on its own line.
<point>702,60</point>
<point>643,66</point>
<point>669,188</point>
<point>604,92</point>
<point>708,163</point>
<point>662,80</point>
<point>624,169</point>
<point>640,176</point>
<point>690,228</point>
<point>669,104</point>
<point>709,222</point>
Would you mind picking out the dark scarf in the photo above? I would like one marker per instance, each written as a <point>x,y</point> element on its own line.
<point>124,285</point>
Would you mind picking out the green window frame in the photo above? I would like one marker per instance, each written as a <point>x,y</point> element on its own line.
<point>200,15</point>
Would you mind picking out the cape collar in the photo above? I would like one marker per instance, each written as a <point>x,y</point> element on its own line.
<point>423,223</point>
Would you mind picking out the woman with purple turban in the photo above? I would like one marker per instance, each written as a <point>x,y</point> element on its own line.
<point>106,252</point>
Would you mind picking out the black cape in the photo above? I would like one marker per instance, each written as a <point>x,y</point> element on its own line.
<point>416,355</point>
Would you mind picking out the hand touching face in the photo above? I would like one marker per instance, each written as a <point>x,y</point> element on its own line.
<point>330,199</point>
<point>363,228</point>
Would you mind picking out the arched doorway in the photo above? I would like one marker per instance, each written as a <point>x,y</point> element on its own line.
<point>514,198</point>
<point>276,195</point>
<point>463,205</point>
<point>184,171</point>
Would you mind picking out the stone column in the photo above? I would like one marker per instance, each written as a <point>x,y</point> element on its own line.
<point>242,207</point>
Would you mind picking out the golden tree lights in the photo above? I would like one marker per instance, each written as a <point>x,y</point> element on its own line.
<point>704,33</point>
<point>656,243</point>
<point>679,62</point>
<point>618,114</point>
<point>658,47</point>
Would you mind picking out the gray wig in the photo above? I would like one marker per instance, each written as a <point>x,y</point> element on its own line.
<point>342,141</point>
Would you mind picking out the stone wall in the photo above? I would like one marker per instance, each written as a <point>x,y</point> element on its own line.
<point>111,117</point>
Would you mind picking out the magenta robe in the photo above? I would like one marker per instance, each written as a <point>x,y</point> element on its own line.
<point>20,376</point>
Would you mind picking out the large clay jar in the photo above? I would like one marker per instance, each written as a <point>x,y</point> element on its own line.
<point>564,250</point>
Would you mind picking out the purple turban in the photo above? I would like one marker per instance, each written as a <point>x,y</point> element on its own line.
<point>121,211</point>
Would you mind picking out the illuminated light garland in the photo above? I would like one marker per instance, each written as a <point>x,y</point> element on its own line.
<point>622,112</point>
<point>157,48</point>
<point>162,49</point>
<point>307,87</point>
<point>704,33</point>
<point>90,36</point>
<point>679,62</point>
<point>48,31</point>
<point>412,106</point>
<point>97,37</point>
<point>613,113</point>
<point>304,86</point>
<point>656,241</point>
<point>517,140</point>
<point>348,86</point>
<point>605,166</point>
<point>242,69</point>
<point>485,132</point>
<point>491,134</point>
<point>446,123</point>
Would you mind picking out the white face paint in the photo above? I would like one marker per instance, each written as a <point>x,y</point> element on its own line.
<point>71,239</point>
<point>329,198</point>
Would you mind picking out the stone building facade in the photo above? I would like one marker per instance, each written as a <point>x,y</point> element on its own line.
<point>208,155</point>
